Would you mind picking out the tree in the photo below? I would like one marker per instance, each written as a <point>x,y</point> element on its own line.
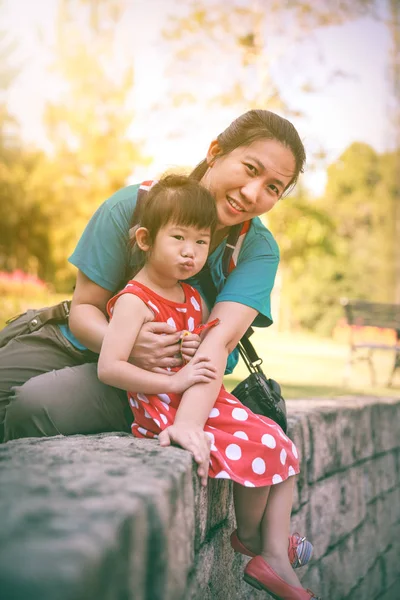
<point>355,256</point>
<point>245,39</point>
<point>88,126</point>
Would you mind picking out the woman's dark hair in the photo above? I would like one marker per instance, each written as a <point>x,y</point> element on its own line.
<point>257,125</point>
<point>173,199</point>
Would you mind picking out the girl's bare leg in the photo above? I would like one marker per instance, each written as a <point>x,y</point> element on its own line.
<point>249,509</point>
<point>263,524</point>
<point>275,527</point>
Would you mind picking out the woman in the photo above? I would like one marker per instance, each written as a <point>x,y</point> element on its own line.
<point>48,379</point>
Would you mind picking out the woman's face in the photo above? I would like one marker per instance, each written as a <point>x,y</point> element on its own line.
<point>248,181</point>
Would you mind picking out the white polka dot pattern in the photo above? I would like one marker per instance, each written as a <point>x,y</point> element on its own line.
<point>143,398</point>
<point>153,306</point>
<point>241,434</point>
<point>277,479</point>
<point>239,414</point>
<point>195,304</point>
<point>268,440</point>
<point>247,448</point>
<point>171,322</point>
<point>233,452</point>
<point>222,475</point>
<point>164,398</point>
<point>258,466</point>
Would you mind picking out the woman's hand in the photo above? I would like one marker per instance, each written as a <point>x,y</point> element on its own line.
<point>193,439</point>
<point>198,370</point>
<point>189,344</point>
<point>157,347</point>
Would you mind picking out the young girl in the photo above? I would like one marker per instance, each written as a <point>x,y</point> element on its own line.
<point>176,223</point>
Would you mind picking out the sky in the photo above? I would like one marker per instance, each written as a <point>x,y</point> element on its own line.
<point>349,108</point>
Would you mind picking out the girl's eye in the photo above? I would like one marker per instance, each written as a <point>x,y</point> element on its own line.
<point>178,237</point>
<point>201,242</point>
<point>251,168</point>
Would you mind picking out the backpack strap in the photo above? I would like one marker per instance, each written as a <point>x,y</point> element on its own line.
<point>145,187</point>
<point>233,245</point>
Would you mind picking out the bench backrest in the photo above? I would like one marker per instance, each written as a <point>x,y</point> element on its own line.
<point>373,314</point>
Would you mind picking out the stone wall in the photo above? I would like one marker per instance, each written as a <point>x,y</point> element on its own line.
<point>109,517</point>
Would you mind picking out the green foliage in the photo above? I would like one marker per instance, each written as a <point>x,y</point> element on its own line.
<point>47,199</point>
<point>347,246</point>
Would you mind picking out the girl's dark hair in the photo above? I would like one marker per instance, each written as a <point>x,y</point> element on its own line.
<point>256,125</point>
<point>173,199</point>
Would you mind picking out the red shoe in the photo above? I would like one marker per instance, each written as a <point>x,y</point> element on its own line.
<point>261,576</point>
<point>300,550</point>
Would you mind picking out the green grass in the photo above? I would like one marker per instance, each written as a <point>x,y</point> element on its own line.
<point>307,366</point>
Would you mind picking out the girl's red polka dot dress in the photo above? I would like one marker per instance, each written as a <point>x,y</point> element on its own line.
<point>247,448</point>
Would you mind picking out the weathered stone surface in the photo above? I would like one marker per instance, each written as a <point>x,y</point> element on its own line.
<point>371,585</point>
<point>110,517</point>
<point>337,507</point>
<point>94,517</point>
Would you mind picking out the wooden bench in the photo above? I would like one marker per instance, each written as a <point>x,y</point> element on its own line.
<point>361,314</point>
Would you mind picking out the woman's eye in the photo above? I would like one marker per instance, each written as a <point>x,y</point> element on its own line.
<point>274,189</point>
<point>251,168</point>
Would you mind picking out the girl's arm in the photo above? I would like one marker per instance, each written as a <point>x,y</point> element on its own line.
<point>198,400</point>
<point>129,314</point>
<point>88,323</point>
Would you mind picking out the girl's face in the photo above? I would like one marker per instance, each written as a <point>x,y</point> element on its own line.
<point>248,181</point>
<point>178,252</point>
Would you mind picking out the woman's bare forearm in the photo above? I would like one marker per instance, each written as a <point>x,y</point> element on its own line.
<point>197,401</point>
<point>88,324</point>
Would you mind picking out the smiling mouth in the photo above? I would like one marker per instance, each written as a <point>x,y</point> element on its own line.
<point>234,204</point>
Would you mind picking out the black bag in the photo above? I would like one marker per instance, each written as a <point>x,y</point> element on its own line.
<point>261,395</point>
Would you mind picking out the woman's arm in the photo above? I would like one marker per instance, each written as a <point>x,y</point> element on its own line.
<point>129,315</point>
<point>88,323</point>
<point>198,400</point>
<point>87,319</point>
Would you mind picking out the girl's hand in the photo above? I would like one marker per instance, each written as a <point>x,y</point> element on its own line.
<point>193,439</point>
<point>198,370</point>
<point>157,346</point>
<point>189,344</point>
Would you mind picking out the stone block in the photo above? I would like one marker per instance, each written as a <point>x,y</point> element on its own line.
<point>337,506</point>
<point>391,558</point>
<point>371,585</point>
<point>379,475</point>
<point>218,573</point>
<point>100,517</point>
<point>384,414</point>
<point>391,593</point>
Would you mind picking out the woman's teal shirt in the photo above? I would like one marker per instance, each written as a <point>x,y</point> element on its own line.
<point>102,254</point>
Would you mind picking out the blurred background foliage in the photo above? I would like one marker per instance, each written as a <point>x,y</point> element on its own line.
<point>343,243</point>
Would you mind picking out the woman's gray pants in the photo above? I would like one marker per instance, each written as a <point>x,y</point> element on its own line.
<point>48,387</point>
